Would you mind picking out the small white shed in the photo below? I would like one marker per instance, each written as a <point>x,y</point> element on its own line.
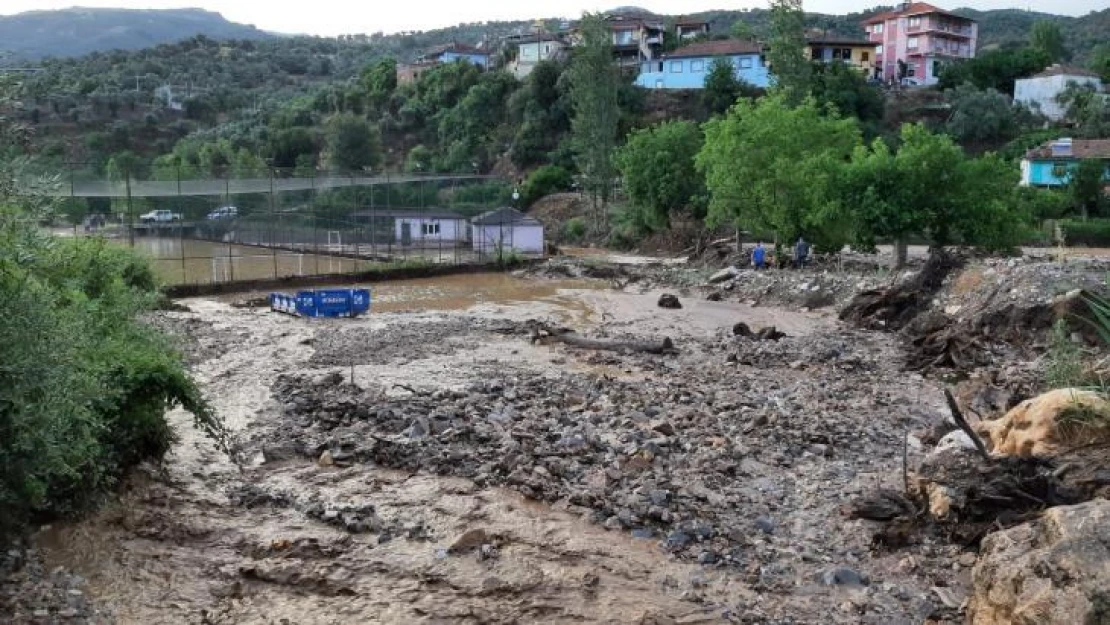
<point>1040,91</point>
<point>418,227</point>
<point>506,229</point>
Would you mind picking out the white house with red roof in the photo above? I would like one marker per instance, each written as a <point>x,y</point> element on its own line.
<point>921,38</point>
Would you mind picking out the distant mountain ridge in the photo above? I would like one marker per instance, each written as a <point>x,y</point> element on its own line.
<point>78,31</point>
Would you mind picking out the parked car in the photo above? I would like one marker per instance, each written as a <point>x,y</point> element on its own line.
<point>159,216</point>
<point>224,212</point>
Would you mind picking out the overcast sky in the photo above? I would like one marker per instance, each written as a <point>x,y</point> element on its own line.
<point>334,17</point>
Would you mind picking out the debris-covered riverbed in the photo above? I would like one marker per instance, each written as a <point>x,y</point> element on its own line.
<point>434,463</point>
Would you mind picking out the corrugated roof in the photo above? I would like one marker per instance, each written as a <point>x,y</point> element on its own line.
<point>1065,70</point>
<point>916,8</point>
<point>1080,148</point>
<point>715,48</point>
<point>505,217</point>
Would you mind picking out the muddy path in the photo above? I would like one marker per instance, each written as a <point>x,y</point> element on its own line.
<point>702,487</point>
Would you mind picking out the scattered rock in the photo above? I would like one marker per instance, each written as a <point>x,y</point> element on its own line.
<point>1052,571</point>
<point>842,576</point>
<point>667,300</point>
<point>1044,425</point>
<point>470,540</point>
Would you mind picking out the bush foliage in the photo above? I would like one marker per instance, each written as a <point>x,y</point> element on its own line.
<point>84,385</point>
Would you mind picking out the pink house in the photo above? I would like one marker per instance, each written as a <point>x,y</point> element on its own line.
<point>922,37</point>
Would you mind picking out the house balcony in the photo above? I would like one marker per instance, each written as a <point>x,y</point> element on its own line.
<point>964,32</point>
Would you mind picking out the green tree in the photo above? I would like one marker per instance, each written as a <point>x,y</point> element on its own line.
<point>380,81</point>
<point>787,58</point>
<point>1085,109</point>
<point>767,166</point>
<point>353,144</point>
<point>544,181</point>
<point>1047,39</point>
<point>845,88</point>
<point>657,166</point>
<point>722,86</point>
<point>742,31</point>
<point>593,93</point>
<point>981,115</point>
<point>1100,61</point>
<point>1085,185</point>
<point>994,69</point>
<point>931,189</point>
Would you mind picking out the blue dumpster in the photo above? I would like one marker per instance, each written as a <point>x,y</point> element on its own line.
<point>323,303</point>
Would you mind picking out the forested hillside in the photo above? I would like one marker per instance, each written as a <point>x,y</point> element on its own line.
<point>77,31</point>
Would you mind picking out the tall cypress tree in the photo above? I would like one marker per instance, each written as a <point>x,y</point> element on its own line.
<point>789,65</point>
<point>593,92</point>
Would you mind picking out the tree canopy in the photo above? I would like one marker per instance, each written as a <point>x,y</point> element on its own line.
<point>657,167</point>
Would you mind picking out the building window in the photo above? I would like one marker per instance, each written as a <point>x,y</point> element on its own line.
<point>745,63</point>
<point>878,49</point>
<point>877,29</point>
<point>864,57</point>
<point>911,43</point>
<point>659,84</point>
<point>429,229</point>
<point>697,66</point>
<point>676,67</point>
<point>911,70</point>
<point>915,22</point>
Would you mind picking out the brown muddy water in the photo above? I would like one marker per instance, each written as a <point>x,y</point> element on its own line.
<point>185,261</point>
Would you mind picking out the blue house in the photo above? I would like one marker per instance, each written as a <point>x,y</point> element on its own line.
<point>687,67</point>
<point>456,51</point>
<point>1052,164</point>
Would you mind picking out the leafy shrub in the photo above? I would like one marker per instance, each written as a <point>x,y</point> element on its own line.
<point>84,386</point>
<point>1091,232</point>
<point>575,229</point>
<point>544,181</point>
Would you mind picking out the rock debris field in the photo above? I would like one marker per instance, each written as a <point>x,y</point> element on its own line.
<point>443,466</point>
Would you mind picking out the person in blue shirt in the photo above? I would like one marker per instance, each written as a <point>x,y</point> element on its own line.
<point>759,256</point>
<point>801,253</point>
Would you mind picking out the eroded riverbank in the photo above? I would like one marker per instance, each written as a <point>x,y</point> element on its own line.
<point>699,487</point>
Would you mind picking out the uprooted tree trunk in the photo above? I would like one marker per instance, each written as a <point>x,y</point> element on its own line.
<point>544,334</point>
<point>890,309</point>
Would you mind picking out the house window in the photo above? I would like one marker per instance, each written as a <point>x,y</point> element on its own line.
<point>429,229</point>
<point>911,43</point>
<point>659,84</point>
<point>915,22</point>
<point>697,66</point>
<point>879,49</point>
<point>911,70</point>
<point>877,29</point>
<point>676,67</point>
<point>864,57</point>
<point>745,63</point>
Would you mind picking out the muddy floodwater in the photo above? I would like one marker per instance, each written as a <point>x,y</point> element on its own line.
<point>186,261</point>
<point>431,463</point>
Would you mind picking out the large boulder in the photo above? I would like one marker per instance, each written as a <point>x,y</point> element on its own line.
<point>1043,426</point>
<point>1052,571</point>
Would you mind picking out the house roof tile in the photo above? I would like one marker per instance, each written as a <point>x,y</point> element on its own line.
<point>1080,148</point>
<point>916,8</point>
<point>716,48</point>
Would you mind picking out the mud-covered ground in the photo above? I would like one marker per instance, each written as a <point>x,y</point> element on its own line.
<point>430,463</point>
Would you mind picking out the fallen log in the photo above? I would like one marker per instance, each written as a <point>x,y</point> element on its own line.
<point>544,334</point>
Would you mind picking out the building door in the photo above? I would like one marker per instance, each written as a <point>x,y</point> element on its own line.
<point>406,233</point>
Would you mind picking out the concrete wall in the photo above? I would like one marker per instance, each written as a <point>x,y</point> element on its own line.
<point>450,230</point>
<point>1040,93</point>
<point>520,238</point>
<point>690,73</point>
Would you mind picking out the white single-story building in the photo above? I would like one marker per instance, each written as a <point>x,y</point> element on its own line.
<point>418,226</point>
<point>1039,92</point>
<point>506,229</point>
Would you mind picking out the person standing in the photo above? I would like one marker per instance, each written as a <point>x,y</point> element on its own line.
<point>759,256</point>
<point>801,253</point>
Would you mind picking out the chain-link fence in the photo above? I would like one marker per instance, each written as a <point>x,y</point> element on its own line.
<point>253,224</point>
